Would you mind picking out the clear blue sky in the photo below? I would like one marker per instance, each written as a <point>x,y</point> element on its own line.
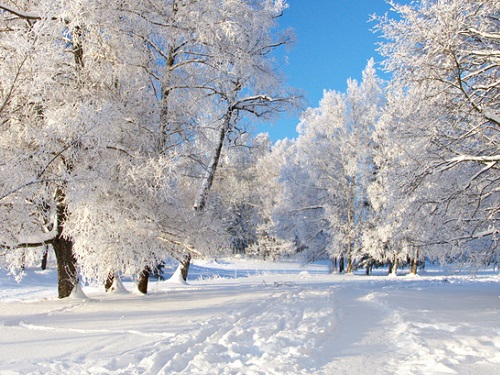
<point>334,43</point>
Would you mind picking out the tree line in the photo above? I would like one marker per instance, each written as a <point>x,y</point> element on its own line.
<point>126,139</point>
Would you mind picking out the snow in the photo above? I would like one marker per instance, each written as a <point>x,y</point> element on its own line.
<point>237,316</point>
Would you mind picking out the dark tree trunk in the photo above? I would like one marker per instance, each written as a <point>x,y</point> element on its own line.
<point>63,247</point>
<point>109,281</point>
<point>341,264</point>
<point>185,263</point>
<point>44,257</point>
<point>390,267</point>
<point>66,266</point>
<point>142,284</point>
<point>201,198</point>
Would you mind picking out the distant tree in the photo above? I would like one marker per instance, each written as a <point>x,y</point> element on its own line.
<point>334,156</point>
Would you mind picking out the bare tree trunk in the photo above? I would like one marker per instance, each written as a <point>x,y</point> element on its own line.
<point>369,268</point>
<point>66,266</point>
<point>395,265</point>
<point>334,265</point>
<point>185,263</point>
<point>414,262</point>
<point>63,248</point>
<point>44,257</point>
<point>350,265</point>
<point>206,185</point>
<point>109,281</point>
<point>142,284</point>
<point>341,264</point>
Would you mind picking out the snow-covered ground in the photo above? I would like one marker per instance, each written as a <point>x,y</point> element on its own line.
<point>253,317</point>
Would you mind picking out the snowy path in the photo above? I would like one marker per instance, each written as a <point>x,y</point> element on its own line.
<point>273,323</point>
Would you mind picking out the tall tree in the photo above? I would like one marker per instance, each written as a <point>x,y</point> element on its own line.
<point>107,115</point>
<point>248,82</point>
<point>445,63</point>
<point>45,122</point>
<point>76,128</point>
<point>334,151</point>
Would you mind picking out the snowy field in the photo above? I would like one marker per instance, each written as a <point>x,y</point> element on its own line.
<point>252,317</point>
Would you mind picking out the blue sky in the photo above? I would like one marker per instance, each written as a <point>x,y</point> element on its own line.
<point>334,43</point>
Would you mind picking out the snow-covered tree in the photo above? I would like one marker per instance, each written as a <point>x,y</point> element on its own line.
<point>106,114</point>
<point>247,83</point>
<point>58,112</point>
<point>444,59</point>
<point>334,157</point>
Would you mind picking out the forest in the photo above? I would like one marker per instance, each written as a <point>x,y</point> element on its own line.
<point>128,137</point>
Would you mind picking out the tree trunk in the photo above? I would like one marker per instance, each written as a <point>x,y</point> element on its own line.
<point>395,265</point>
<point>142,284</point>
<point>206,185</point>
<point>109,281</point>
<point>185,263</point>
<point>63,247</point>
<point>414,262</point>
<point>350,265</point>
<point>341,264</point>
<point>334,265</point>
<point>66,266</point>
<point>44,257</point>
<point>369,268</point>
<point>390,267</point>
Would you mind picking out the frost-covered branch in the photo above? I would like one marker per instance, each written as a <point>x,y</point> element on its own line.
<point>478,159</point>
<point>248,103</point>
<point>37,179</point>
<point>33,181</point>
<point>20,13</point>
<point>31,241</point>
<point>167,237</point>
<point>31,16</point>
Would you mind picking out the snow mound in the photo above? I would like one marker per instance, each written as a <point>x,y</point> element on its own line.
<point>177,278</point>
<point>78,292</point>
<point>117,287</point>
